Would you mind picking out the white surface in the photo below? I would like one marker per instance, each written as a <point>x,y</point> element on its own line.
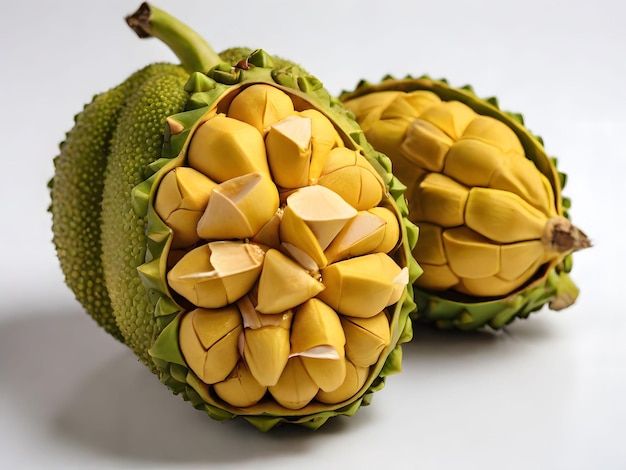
<point>547,394</point>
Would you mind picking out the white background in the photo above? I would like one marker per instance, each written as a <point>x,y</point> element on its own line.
<point>549,393</point>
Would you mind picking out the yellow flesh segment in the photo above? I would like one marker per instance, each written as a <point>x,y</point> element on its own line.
<point>442,201</point>
<point>436,277</point>
<point>387,136</point>
<point>495,133</point>
<point>317,325</point>
<point>213,360</point>
<point>196,277</point>
<point>360,287</point>
<point>425,145</point>
<point>358,186</point>
<point>503,216</point>
<point>223,148</point>
<point>269,235</point>
<point>240,388</point>
<point>366,338</point>
<point>430,248</point>
<point>324,137</point>
<point>211,325</point>
<point>183,188</point>
<point>222,358</point>
<point>180,201</point>
<point>284,284</point>
<point>295,389</point>
<point>261,106</point>
<point>288,145</point>
<point>494,286</point>
<point>472,162</point>
<point>323,211</point>
<point>520,176</point>
<point>354,380</point>
<point>452,117</point>
<point>363,234</point>
<point>328,374</point>
<point>518,258</point>
<point>190,345</point>
<point>469,254</point>
<point>391,229</point>
<point>421,100</point>
<point>369,108</point>
<point>239,207</point>
<point>266,351</point>
<point>294,231</point>
<point>184,224</point>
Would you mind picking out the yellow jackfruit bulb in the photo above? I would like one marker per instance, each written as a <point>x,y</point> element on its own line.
<point>503,216</point>
<point>223,148</point>
<point>180,201</point>
<point>324,137</point>
<point>318,339</point>
<point>239,207</point>
<point>295,389</point>
<point>289,151</point>
<point>363,286</point>
<point>392,229</point>
<point>240,388</point>
<point>366,338</point>
<point>452,117</point>
<point>348,174</point>
<point>266,344</point>
<point>209,342</point>
<point>322,210</point>
<point>354,380</point>
<point>441,200</point>
<point>218,273</point>
<point>260,106</point>
<point>279,271</point>
<point>361,235</point>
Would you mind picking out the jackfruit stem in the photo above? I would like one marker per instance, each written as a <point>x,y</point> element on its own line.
<point>563,237</point>
<point>195,54</point>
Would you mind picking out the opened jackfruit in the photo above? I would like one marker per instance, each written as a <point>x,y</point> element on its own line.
<point>249,244</point>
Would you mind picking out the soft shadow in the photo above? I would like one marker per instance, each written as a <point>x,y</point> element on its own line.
<point>64,373</point>
<point>451,343</point>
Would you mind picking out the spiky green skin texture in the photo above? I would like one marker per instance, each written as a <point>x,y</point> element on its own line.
<point>234,55</point>
<point>136,143</point>
<point>76,195</point>
<point>552,286</point>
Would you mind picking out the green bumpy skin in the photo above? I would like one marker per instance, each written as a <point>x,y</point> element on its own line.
<point>76,194</point>
<point>552,287</point>
<point>206,93</point>
<point>136,143</point>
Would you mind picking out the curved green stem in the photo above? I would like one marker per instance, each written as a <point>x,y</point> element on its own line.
<point>193,51</point>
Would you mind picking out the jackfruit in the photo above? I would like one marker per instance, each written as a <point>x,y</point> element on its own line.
<point>221,218</point>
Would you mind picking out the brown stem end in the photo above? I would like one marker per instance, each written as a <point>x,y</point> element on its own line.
<point>140,21</point>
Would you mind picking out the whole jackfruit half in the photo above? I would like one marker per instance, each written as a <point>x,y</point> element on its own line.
<point>495,240</point>
<point>233,227</point>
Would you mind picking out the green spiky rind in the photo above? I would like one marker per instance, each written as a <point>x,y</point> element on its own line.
<point>496,313</point>
<point>464,312</point>
<point>135,145</point>
<point>76,195</point>
<point>214,93</point>
<point>234,55</point>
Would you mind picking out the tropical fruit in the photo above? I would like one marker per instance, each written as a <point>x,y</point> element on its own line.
<point>244,239</point>
<point>495,235</point>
